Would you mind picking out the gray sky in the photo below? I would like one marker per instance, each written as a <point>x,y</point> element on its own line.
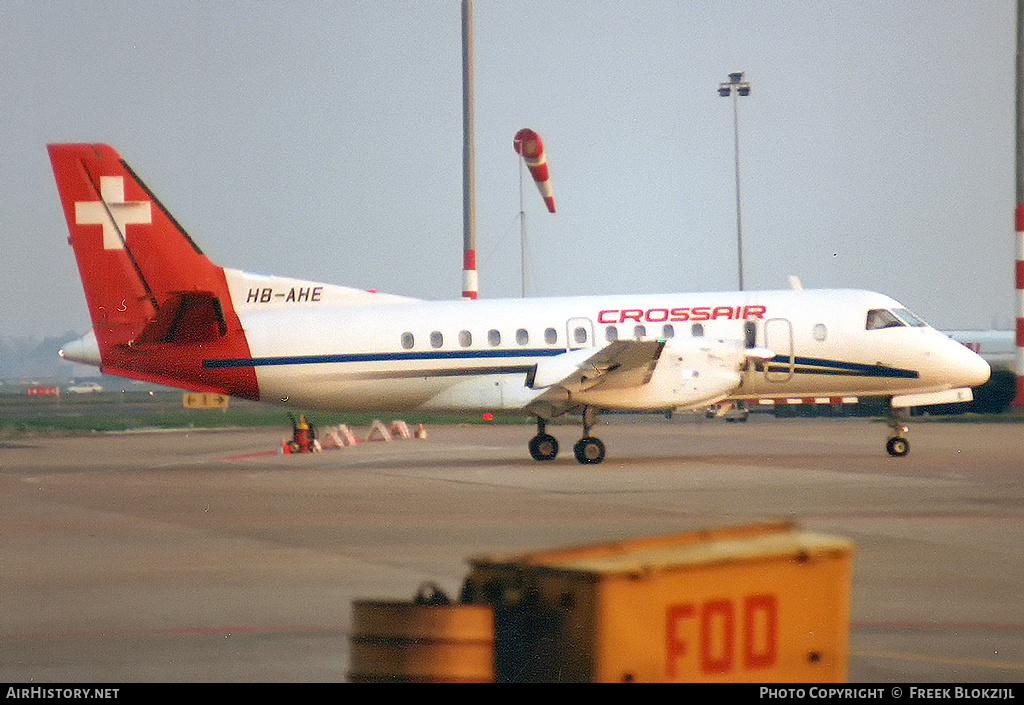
<point>324,141</point>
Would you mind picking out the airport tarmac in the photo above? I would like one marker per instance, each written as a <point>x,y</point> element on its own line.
<point>206,557</point>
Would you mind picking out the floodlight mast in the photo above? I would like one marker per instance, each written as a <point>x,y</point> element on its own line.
<point>736,87</point>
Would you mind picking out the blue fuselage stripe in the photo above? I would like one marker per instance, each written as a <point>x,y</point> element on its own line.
<point>380,357</point>
<point>801,365</point>
<point>811,365</point>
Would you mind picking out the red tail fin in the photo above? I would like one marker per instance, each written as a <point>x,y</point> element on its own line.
<point>159,307</point>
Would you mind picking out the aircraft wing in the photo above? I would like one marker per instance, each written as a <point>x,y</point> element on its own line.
<point>641,375</point>
<point>622,364</point>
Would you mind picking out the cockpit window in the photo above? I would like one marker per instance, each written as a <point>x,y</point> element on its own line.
<point>881,318</point>
<point>909,318</point>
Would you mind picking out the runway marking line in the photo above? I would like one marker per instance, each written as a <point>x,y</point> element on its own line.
<point>918,658</point>
<point>179,631</point>
<point>945,626</point>
<point>244,456</point>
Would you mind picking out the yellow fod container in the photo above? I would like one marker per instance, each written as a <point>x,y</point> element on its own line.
<point>402,642</point>
<point>765,603</point>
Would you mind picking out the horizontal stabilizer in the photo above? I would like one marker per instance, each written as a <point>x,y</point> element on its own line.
<point>262,291</point>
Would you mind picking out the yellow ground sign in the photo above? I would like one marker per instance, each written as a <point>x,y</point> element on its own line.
<point>205,400</point>
<point>762,603</point>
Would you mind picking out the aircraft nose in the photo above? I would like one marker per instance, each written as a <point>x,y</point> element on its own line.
<point>970,368</point>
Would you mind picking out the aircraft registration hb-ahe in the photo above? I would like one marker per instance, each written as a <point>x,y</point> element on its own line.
<point>162,312</point>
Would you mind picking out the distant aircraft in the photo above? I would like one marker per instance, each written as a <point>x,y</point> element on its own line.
<point>162,312</point>
<point>998,347</point>
<point>85,388</point>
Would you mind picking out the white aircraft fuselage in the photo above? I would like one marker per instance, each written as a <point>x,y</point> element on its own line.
<point>480,355</point>
<point>163,312</point>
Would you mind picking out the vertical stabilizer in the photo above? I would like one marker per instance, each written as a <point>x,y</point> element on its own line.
<point>159,307</point>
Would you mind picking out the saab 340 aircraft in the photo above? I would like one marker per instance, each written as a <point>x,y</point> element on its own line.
<point>162,312</point>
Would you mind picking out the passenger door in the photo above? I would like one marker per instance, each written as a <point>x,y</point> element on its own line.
<point>778,337</point>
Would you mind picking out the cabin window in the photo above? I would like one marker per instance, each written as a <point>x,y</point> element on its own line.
<point>465,338</point>
<point>668,331</point>
<point>522,336</point>
<point>697,330</point>
<point>880,318</point>
<point>493,338</point>
<point>408,341</point>
<point>639,332</point>
<point>550,336</point>
<point>436,339</point>
<point>611,334</point>
<point>579,334</point>
<point>820,332</point>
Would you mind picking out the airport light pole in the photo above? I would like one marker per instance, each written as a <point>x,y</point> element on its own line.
<point>736,87</point>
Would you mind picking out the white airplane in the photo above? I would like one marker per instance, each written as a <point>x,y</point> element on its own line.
<point>162,312</point>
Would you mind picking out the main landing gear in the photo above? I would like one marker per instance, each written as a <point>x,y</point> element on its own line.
<point>589,450</point>
<point>543,446</point>
<point>897,445</point>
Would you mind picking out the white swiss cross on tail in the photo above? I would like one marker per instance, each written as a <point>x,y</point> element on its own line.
<point>113,213</point>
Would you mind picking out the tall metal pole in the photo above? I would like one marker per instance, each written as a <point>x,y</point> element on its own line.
<point>522,228</point>
<point>739,210</point>
<point>1019,213</point>
<point>736,87</point>
<point>470,281</point>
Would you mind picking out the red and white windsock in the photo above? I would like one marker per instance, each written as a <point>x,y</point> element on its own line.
<point>529,145</point>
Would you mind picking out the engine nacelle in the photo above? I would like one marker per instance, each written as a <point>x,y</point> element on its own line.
<point>690,373</point>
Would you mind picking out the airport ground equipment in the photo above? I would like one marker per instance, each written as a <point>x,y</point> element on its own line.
<point>766,603</point>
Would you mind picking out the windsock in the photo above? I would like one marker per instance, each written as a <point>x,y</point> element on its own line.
<point>529,145</point>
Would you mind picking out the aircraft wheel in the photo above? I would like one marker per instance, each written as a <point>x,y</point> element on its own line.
<point>543,447</point>
<point>589,450</point>
<point>897,447</point>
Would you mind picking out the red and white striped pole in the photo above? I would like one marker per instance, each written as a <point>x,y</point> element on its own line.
<point>1018,400</point>
<point>1019,215</point>
<point>470,281</point>
<point>529,145</point>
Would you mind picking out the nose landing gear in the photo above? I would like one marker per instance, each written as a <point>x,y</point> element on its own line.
<point>897,445</point>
